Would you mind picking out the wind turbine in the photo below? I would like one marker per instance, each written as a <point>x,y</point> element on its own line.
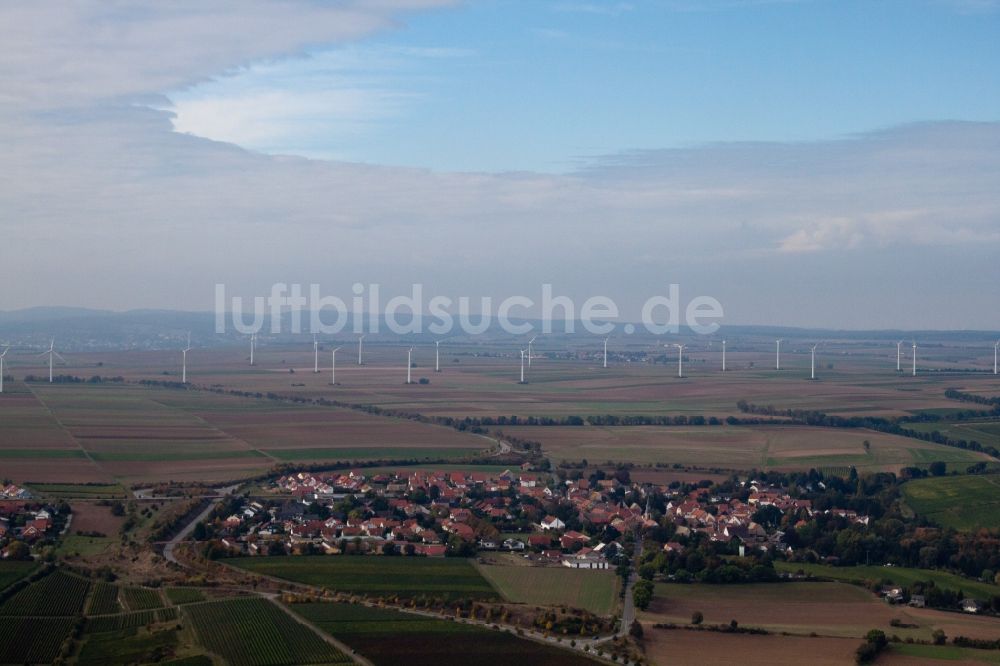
<point>723,355</point>
<point>253,346</point>
<point>996,346</point>
<point>529,349</point>
<point>409,364</point>
<point>605,352</point>
<point>812,374</point>
<point>899,346</point>
<point>522,366</point>
<point>51,351</point>
<point>437,356</point>
<point>5,350</point>
<point>333,367</point>
<point>680,360</point>
<point>360,338</point>
<point>184,361</point>
<point>315,355</point>
<point>914,358</point>
<point>777,357</point>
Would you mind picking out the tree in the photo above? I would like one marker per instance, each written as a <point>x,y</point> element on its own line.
<point>937,468</point>
<point>635,630</point>
<point>18,551</point>
<point>199,532</point>
<point>697,617</point>
<point>939,637</point>
<point>642,594</point>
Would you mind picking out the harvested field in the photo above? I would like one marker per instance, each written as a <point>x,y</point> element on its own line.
<point>681,646</point>
<point>738,447</point>
<point>88,516</point>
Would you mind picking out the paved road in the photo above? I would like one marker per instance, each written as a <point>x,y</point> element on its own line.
<point>168,549</point>
<point>628,607</point>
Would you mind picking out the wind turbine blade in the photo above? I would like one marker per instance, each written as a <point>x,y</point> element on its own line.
<point>60,357</point>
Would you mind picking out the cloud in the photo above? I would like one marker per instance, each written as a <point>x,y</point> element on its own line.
<point>104,205</point>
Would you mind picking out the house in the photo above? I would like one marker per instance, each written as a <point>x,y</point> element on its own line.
<point>572,538</point>
<point>539,540</point>
<point>970,606</point>
<point>514,544</point>
<point>488,544</point>
<point>892,595</point>
<point>585,558</point>
<point>552,523</point>
<point>917,601</point>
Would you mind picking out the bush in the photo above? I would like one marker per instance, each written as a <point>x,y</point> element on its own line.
<point>697,617</point>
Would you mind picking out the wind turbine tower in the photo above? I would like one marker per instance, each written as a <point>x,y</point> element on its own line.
<point>812,374</point>
<point>5,350</point>
<point>333,366</point>
<point>680,360</point>
<point>522,367</point>
<point>996,347</point>
<point>914,358</point>
<point>184,361</point>
<point>315,355</point>
<point>605,352</point>
<point>409,364</point>
<point>899,356</point>
<point>360,339</point>
<point>723,355</point>
<point>253,346</point>
<point>437,356</point>
<point>777,357</point>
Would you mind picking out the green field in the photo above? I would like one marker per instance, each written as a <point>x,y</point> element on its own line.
<point>403,576</point>
<point>74,544</point>
<point>127,646</point>
<point>105,623</point>
<point>141,598</point>
<point>593,591</point>
<point>79,490</point>
<point>946,653</point>
<point>984,432</point>
<point>964,502</point>
<point>104,600</point>
<point>897,575</point>
<point>388,637</point>
<point>13,571</point>
<point>31,640</point>
<point>58,594</point>
<point>256,632</point>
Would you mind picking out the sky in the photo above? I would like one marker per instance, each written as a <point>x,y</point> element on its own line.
<point>805,162</point>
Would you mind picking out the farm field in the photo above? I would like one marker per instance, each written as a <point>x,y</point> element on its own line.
<point>897,575</point>
<point>127,646</point>
<point>594,591</point>
<point>388,637</point>
<point>57,594</point>
<point>984,432</point>
<point>403,576</point>
<point>104,600</point>
<point>184,595</point>
<point>256,632</point>
<point>966,502</point>
<point>902,653</point>
<point>12,571</point>
<point>826,609</point>
<point>79,490</point>
<point>738,447</point>
<point>664,647</point>
<point>32,640</point>
<point>139,434</point>
<point>480,379</point>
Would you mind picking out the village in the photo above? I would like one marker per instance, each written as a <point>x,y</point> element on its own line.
<point>581,523</point>
<point>24,523</point>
